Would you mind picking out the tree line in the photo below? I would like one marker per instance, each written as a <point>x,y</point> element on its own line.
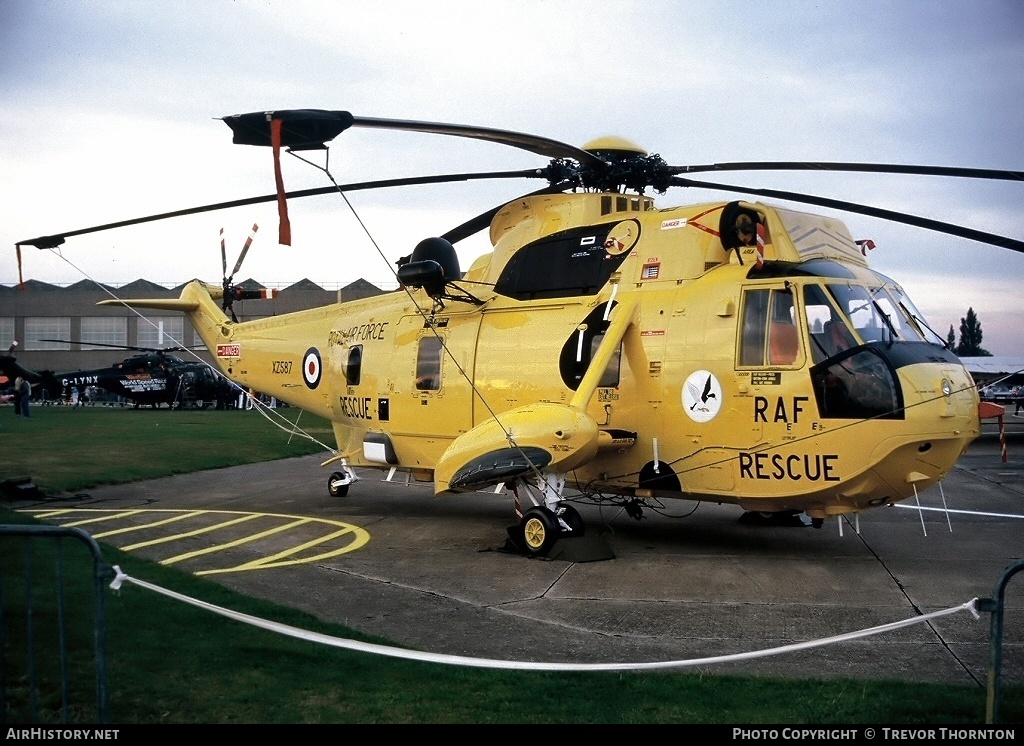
<point>970,337</point>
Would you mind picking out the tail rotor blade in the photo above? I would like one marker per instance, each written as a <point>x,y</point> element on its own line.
<point>223,256</point>
<point>245,249</point>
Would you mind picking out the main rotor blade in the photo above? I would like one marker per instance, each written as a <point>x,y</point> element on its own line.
<point>877,212</point>
<point>483,220</point>
<point>532,143</point>
<point>306,129</point>
<point>116,347</point>
<point>52,241</point>
<point>878,168</point>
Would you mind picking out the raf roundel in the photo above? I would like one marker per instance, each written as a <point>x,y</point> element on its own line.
<point>312,367</point>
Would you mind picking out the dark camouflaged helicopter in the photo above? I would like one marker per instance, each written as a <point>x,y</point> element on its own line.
<point>154,377</point>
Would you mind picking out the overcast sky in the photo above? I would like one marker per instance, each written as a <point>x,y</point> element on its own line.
<point>110,112</point>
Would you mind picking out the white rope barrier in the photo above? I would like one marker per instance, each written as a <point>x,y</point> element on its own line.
<point>461,660</point>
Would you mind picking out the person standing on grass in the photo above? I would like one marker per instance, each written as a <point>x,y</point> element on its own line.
<point>23,387</point>
<point>17,396</point>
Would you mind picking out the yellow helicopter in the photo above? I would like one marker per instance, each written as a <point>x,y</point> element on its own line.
<point>734,352</point>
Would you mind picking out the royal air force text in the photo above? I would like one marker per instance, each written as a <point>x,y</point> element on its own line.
<point>359,333</point>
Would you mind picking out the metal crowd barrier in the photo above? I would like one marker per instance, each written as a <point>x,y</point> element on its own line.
<point>995,606</point>
<point>101,574</point>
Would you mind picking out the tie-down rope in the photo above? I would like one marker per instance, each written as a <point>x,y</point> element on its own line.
<point>462,660</point>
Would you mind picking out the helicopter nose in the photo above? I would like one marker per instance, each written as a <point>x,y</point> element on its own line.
<point>941,417</point>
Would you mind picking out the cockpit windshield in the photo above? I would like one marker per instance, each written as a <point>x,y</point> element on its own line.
<point>882,314</point>
<point>841,315</point>
<point>858,335</point>
<point>851,379</point>
<point>870,312</point>
<point>916,318</point>
<point>827,329</point>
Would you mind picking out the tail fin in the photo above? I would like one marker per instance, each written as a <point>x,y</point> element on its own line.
<point>198,301</point>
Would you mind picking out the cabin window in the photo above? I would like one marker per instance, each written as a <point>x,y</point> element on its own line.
<point>428,364</point>
<point>770,335</point>
<point>354,365</point>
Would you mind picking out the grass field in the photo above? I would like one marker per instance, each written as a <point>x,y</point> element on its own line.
<point>173,663</point>
<point>69,448</point>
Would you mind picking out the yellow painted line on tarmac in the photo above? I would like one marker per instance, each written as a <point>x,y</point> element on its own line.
<point>52,513</point>
<point>154,524</point>
<point>197,532</point>
<point>361,537</point>
<point>111,517</point>
<point>236,542</point>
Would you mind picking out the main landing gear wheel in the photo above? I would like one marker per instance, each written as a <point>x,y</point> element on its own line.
<point>334,489</point>
<point>540,530</point>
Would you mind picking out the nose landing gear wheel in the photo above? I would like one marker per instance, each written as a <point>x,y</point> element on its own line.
<point>333,488</point>
<point>540,530</point>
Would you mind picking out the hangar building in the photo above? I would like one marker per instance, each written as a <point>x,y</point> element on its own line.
<point>42,311</point>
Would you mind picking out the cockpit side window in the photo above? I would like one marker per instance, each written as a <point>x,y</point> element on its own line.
<point>783,338</point>
<point>755,322</point>
<point>770,335</point>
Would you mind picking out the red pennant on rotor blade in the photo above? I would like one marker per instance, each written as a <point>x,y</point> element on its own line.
<point>285,227</point>
<point>21,279</point>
